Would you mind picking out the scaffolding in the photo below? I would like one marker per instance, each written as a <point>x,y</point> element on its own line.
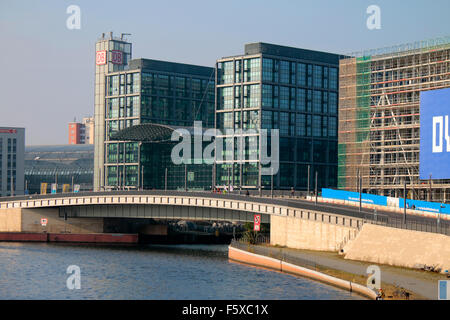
<point>379,118</point>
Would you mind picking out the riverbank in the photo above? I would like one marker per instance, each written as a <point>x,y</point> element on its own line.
<point>397,283</point>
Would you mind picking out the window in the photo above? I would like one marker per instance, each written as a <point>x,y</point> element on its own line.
<point>333,78</point>
<point>266,119</point>
<point>332,126</point>
<point>301,124</point>
<point>225,98</point>
<point>266,95</point>
<point>252,70</point>
<point>252,96</point>
<point>317,77</point>
<point>284,71</point>
<point>317,101</point>
<point>267,69</point>
<point>301,100</point>
<point>226,70</point>
<point>284,123</point>
<point>284,98</point>
<point>301,74</point>
<point>317,126</point>
<point>332,103</point>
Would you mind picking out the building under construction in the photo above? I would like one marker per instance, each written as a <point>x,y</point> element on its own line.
<point>379,112</point>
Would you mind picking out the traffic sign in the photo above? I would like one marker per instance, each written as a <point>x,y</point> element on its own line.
<point>257,222</point>
<point>44,222</point>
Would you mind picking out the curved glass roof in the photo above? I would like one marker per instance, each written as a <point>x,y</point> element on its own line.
<point>148,132</point>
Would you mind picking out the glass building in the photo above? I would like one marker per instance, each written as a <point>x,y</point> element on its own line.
<point>142,91</point>
<point>158,170</point>
<point>277,87</point>
<point>60,164</point>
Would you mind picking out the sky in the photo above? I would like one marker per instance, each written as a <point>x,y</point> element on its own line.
<point>47,70</point>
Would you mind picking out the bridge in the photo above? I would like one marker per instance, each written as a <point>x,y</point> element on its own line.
<point>323,226</point>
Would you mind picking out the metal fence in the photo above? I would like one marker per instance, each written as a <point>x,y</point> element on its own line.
<point>411,223</point>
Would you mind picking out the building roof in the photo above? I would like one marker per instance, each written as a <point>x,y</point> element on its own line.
<point>150,132</point>
<point>290,52</point>
<point>171,67</point>
<point>61,159</point>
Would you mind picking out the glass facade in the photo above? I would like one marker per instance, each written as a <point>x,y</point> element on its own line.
<point>158,92</point>
<point>292,92</point>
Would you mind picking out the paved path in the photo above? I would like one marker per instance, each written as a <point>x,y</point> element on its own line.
<point>423,283</point>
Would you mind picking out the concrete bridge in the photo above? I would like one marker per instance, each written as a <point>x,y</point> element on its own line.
<point>294,222</point>
<point>89,212</point>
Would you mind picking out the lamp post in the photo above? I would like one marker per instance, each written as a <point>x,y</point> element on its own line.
<point>360,189</point>
<point>271,183</point>
<point>165,180</point>
<point>309,169</point>
<point>316,186</point>
<point>404,202</point>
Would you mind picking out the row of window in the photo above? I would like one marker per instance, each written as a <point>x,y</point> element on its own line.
<point>280,71</point>
<point>185,87</point>
<point>277,97</point>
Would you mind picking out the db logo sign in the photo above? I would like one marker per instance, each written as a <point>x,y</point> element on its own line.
<point>44,222</point>
<point>116,57</point>
<point>257,222</point>
<point>100,57</point>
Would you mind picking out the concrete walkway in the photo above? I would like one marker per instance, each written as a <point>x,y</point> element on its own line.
<point>423,283</point>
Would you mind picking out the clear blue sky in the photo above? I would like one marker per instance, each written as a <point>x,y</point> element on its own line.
<point>47,70</point>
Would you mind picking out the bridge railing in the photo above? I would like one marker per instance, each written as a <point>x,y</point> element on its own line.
<point>412,223</point>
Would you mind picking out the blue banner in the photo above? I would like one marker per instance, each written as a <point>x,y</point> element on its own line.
<point>425,206</point>
<point>383,201</point>
<point>434,134</point>
<point>354,196</point>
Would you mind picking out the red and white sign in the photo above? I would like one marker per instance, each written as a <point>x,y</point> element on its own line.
<point>116,57</point>
<point>8,131</point>
<point>44,222</point>
<point>100,57</point>
<point>257,222</point>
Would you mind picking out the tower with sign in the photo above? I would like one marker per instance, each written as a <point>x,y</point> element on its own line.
<point>112,54</point>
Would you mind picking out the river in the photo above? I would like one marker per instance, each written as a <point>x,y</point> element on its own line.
<point>39,271</point>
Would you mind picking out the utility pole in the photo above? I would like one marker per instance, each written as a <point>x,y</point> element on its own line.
<point>72,183</point>
<point>316,185</point>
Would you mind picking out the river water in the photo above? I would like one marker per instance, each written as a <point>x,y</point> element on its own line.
<point>39,271</point>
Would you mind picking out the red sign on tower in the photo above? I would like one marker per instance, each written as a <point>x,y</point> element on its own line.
<point>116,57</point>
<point>257,222</point>
<point>100,57</point>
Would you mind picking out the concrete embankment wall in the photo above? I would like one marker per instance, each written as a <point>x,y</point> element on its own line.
<point>307,234</point>
<point>29,220</point>
<point>399,247</point>
<point>278,265</point>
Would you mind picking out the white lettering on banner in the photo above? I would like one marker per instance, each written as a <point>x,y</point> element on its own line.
<point>438,141</point>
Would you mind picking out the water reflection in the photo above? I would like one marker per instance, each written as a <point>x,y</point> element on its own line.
<point>38,271</point>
